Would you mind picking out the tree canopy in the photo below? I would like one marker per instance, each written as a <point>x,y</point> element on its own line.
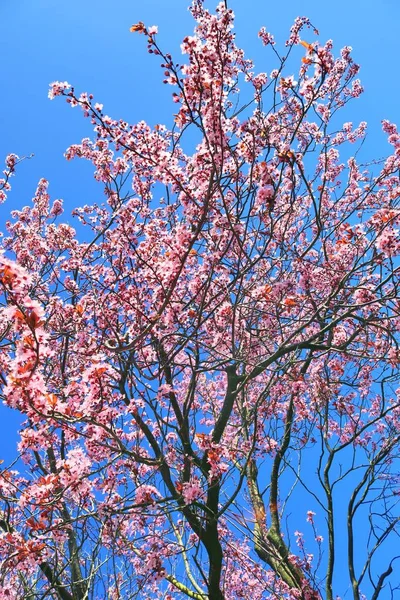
<point>208,366</point>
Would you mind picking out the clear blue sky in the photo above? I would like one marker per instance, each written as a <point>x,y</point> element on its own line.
<point>89,45</point>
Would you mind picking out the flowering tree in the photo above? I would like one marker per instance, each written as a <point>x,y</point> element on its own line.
<point>209,381</point>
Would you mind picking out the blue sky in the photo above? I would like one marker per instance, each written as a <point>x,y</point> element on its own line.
<point>89,45</point>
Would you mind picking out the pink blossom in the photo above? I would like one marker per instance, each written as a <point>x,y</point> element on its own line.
<point>57,88</point>
<point>192,491</point>
<point>266,37</point>
<point>310,516</point>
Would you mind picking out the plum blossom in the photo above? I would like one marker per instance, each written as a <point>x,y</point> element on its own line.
<point>229,309</point>
<point>57,88</point>
<point>192,491</point>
